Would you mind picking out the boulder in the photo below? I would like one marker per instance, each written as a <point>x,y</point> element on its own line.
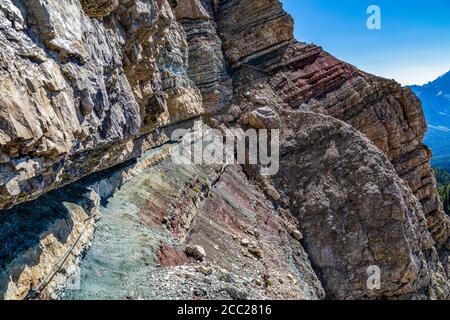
<point>264,118</point>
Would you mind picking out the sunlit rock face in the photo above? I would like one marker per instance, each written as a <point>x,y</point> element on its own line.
<point>79,79</point>
<point>164,208</point>
<point>386,113</point>
<point>271,70</point>
<point>207,66</point>
<point>92,85</point>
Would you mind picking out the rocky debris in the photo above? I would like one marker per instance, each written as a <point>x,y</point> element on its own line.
<point>199,293</point>
<point>255,250</point>
<point>195,251</point>
<point>297,235</point>
<point>236,294</point>
<point>264,118</point>
<point>170,256</point>
<point>204,270</point>
<point>235,216</point>
<point>183,282</point>
<point>252,248</point>
<point>294,232</point>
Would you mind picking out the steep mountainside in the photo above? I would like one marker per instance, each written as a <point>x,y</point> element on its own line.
<point>435,97</point>
<point>90,94</point>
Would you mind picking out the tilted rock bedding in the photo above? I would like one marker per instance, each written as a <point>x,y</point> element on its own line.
<point>88,85</point>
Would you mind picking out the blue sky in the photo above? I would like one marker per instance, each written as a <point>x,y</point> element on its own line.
<point>412,47</point>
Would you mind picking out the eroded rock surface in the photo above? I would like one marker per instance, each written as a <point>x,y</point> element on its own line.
<point>193,232</point>
<point>390,116</point>
<point>355,211</point>
<point>273,71</point>
<point>207,66</point>
<point>74,87</point>
<point>43,242</point>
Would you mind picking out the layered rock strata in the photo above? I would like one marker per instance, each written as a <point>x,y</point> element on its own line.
<point>43,242</point>
<point>307,78</point>
<point>273,70</point>
<point>207,66</point>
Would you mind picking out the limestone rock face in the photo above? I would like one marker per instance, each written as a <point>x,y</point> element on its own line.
<point>248,27</point>
<point>207,66</point>
<point>43,243</point>
<point>74,88</point>
<point>155,63</point>
<point>387,114</point>
<point>355,211</point>
<point>99,8</point>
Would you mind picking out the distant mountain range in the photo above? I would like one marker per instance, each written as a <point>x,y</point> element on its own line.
<point>435,97</point>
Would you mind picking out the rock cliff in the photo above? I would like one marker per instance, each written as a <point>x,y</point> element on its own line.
<point>80,82</point>
<point>92,85</point>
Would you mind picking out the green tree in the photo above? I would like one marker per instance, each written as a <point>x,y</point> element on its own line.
<point>445,201</point>
<point>443,181</point>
